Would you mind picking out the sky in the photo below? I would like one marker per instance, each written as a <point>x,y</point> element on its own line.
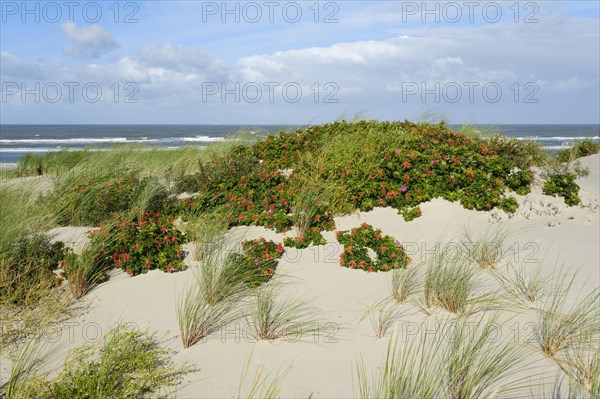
<point>272,62</point>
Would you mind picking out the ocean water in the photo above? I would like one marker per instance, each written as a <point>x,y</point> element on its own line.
<point>17,140</point>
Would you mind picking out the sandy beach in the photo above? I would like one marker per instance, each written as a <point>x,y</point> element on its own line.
<point>322,364</point>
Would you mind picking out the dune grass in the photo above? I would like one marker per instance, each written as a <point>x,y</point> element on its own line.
<point>263,385</point>
<point>21,213</point>
<point>23,374</point>
<point>582,366</point>
<point>82,272</point>
<point>271,317</point>
<point>404,283</point>
<point>413,367</point>
<point>562,329</point>
<point>210,301</point>
<point>479,364</point>
<point>486,251</point>
<point>204,231</point>
<point>382,317</point>
<point>465,363</point>
<point>452,284</point>
<point>524,283</point>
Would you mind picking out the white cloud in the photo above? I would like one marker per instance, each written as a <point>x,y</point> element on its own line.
<point>90,42</point>
<point>15,67</point>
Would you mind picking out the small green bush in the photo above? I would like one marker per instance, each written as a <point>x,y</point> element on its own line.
<point>520,181</point>
<point>563,185</point>
<point>28,267</point>
<point>580,149</point>
<point>390,253</point>
<point>125,363</point>
<point>139,244</point>
<point>410,214</point>
<point>259,260</point>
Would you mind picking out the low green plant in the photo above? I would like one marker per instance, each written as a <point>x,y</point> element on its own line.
<point>125,363</point>
<point>138,244</point>
<point>410,214</point>
<point>259,260</point>
<point>26,269</point>
<point>563,185</point>
<point>390,253</point>
<point>520,181</point>
<point>580,148</point>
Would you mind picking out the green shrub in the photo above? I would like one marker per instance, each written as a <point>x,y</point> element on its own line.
<point>26,270</point>
<point>521,153</point>
<point>259,260</point>
<point>580,149</point>
<point>125,363</point>
<point>520,181</point>
<point>390,253</point>
<point>138,244</point>
<point>563,185</point>
<point>410,214</point>
<point>509,205</point>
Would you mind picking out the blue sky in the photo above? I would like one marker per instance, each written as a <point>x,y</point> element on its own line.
<point>299,62</point>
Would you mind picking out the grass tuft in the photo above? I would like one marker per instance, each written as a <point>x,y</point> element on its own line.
<point>263,385</point>
<point>404,283</point>
<point>270,317</point>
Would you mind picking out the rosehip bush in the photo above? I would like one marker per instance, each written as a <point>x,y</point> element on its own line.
<point>564,185</point>
<point>260,259</point>
<point>390,253</point>
<point>137,245</point>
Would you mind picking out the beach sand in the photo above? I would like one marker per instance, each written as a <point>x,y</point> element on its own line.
<point>322,364</point>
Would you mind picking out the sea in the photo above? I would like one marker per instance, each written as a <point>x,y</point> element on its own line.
<point>17,140</point>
